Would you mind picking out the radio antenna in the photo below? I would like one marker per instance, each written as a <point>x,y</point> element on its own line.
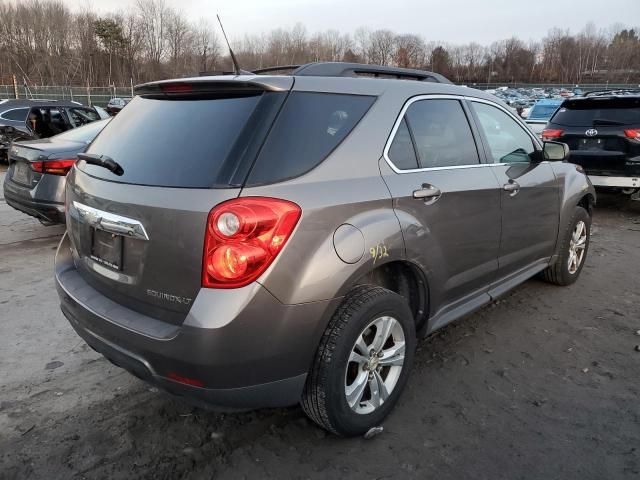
<point>234,60</point>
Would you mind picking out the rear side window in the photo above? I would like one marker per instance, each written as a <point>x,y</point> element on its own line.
<point>174,143</point>
<point>599,112</point>
<point>542,112</point>
<point>401,152</point>
<point>18,114</point>
<point>441,133</point>
<point>309,128</point>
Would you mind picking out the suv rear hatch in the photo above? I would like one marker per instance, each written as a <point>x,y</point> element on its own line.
<point>596,130</point>
<point>184,147</point>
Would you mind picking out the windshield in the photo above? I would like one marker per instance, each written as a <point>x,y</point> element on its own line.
<point>599,111</point>
<point>84,134</point>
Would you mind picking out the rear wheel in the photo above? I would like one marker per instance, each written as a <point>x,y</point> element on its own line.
<point>574,248</point>
<point>363,362</point>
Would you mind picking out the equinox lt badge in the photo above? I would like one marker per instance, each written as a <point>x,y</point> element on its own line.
<point>169,297</point>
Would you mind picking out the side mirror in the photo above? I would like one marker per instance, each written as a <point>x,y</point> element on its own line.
<point>555,151</point>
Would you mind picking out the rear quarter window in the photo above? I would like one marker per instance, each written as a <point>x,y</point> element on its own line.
<point>308,129</point>
<point>17,114</point>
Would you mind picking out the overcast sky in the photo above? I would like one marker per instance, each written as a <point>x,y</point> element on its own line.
<point>454,21</point>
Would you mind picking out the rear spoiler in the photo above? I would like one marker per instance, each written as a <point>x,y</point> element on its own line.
<point>218,85</point>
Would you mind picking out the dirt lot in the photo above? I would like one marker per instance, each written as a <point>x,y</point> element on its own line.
<point>542,384</point>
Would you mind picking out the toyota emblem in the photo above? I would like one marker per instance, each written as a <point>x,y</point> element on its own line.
<point>592,132</point>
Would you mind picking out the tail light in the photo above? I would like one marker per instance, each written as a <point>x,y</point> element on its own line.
<point>632,133</point>
<point>549,133</point>
<point>243,238</point>
<point>53,167</point>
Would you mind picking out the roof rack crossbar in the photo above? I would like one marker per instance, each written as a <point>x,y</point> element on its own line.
<point>343,69</point>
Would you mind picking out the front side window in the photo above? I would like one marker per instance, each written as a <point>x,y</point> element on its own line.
<point>440,132</point>
<point>507,141</point>
<point>82,116</point>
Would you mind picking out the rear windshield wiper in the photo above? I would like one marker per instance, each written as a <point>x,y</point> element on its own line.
<point>604,121</point>
<point>102,161</point>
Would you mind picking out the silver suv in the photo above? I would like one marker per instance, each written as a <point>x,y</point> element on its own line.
<point>286,238</point>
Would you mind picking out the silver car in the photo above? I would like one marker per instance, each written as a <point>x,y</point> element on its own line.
<point>286,239</point>
<point>35,180</point>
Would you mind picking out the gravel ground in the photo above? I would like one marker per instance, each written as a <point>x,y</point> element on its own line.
<point>542,384</point>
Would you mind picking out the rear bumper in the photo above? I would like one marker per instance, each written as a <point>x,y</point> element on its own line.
<point>623,182</point>
<point>245,348</point>
<point>48,211</point>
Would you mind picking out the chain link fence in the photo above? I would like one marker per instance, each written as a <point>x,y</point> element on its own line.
<point>567,86</point>
<point>99,96</point>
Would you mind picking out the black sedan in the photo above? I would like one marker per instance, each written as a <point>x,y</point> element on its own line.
<point>35,181</point>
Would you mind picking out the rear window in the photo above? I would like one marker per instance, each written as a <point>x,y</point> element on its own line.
<point>542,111</point>
<point>599,111</point>
<point>309,128</point>
<point>174,143</point>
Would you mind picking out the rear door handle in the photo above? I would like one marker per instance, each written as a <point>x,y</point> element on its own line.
<point>427,192</point>
<point>512,187</point>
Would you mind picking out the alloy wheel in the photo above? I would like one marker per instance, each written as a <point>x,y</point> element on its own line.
<point>374,365</point>
<point>577,247</point>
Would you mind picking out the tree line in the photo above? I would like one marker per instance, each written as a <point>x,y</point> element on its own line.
<point>43,42</point>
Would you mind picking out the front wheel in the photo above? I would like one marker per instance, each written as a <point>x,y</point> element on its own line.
<point>574,247</point>
<point>362,363</point>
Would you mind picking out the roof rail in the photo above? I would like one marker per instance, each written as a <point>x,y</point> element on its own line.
<point>612,91</point>
<point>343,69</point>
<point>281,68</point>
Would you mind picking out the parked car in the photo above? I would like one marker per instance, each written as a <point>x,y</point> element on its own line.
<point>541,112</point>
<point>297,254</point>
<point>602,130</point>
<point>116,104</point>
<point>101,112</point>
<point>36,119</point>
<point>35,180</point>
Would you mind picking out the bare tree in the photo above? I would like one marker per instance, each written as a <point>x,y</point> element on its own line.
<point>381,46</point>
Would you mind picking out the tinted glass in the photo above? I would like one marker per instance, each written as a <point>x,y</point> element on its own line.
<point>507,140</point>
<point>442,134</point>
<point>542,112</point>
<point>401,152</point>
<point>309,128</point>
<point>19,114</point>
<point>82,116</point>
<point>599,112</point>
<point>174,143</point>
<point>83,134</point>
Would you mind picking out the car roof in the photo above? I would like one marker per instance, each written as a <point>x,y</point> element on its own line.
<point>322,84</point>
<point>17,103</point>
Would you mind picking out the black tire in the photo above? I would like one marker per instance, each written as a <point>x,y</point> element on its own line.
<point>324,399</point>
<point>558,273</point>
